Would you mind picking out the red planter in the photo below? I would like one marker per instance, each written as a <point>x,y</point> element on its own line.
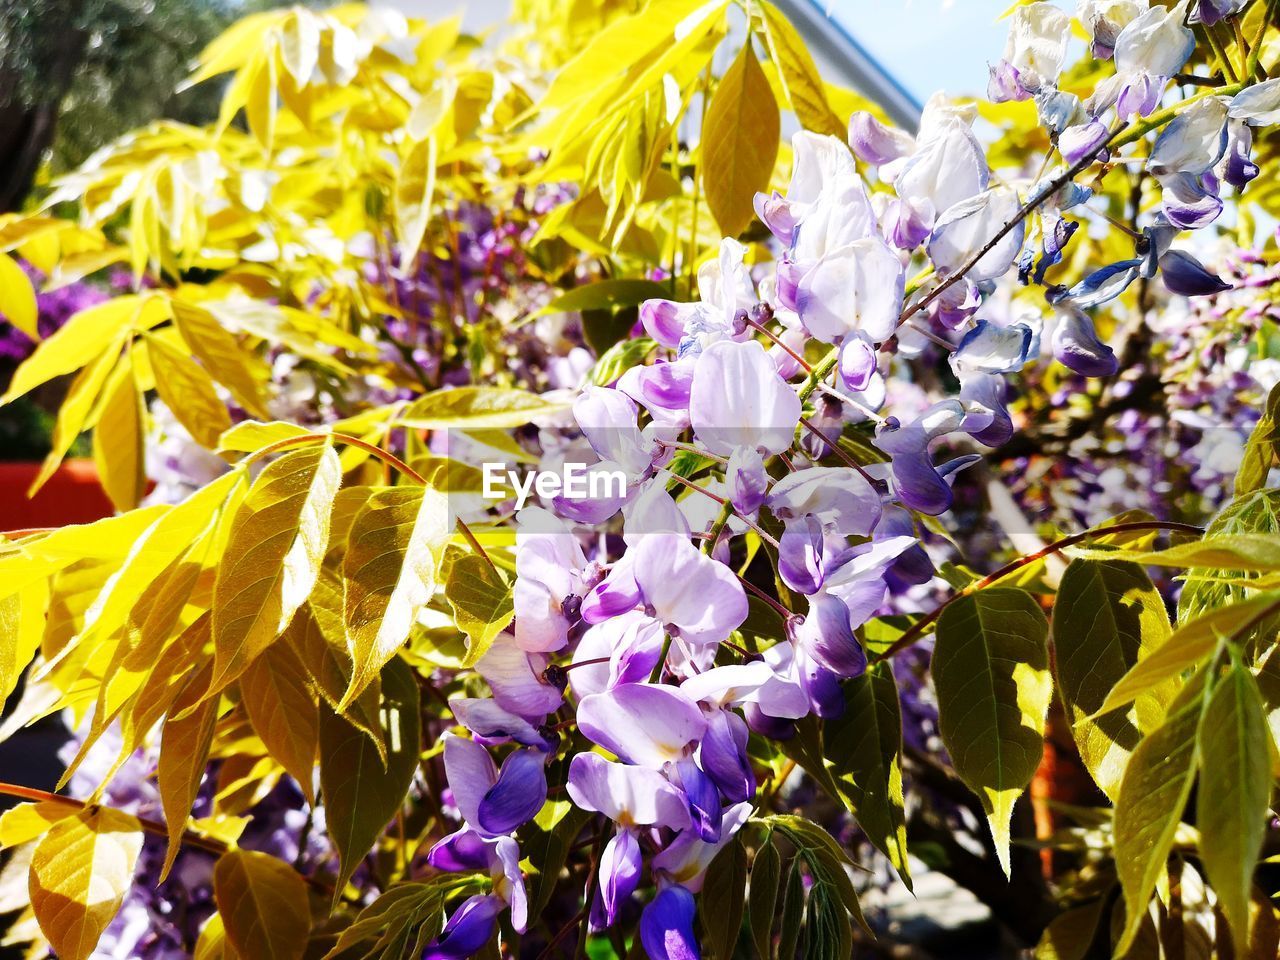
<point>72,495</point>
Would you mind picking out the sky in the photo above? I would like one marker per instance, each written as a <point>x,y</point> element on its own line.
<point>929,45</point>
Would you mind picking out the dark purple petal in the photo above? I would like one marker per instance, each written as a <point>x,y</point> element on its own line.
<point>827,637</point>
<point>1082,140</point>
<point>703,798</point>
<point>1140,95</point>
<point>723,755</point>
<point>468,930</point>
<point>1077,347</point>
<point>1238,168</point>
<point>800,555</point>
<point>613,596</point>
<point>1188,203</point>
<point>666,926</point>
<point>774,728</point>
<point>821,686</point>
<point>518,795</point>
<point>1183,274</point>
<point>747,480</point>
<point>1104,285</point>
<point>462,850</point>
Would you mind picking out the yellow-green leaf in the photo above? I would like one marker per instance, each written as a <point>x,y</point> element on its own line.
<point>991,672</point>
<point>236,368</point>
<point>361,793</point>
<point>1153,793</point>
<point>118,439</point>
<point>1106,617</point>
<point>79,874</point>
<point>1235,789</point>
<point>389,573</point>
<point>187,390</point>
<point>184,752</point>
<point>263,905</point>
<point>804,88</point>
<point>1263,447</point>
<point>283,713</point>
<point>1187,646</point>
<point>249,436</point>
<point>30,821</point>
<point>478,408</point>
<point>22,620</point>
<point>277,542</point>
<point>482,603</point>
<point>415,186</point>
<point>76,410</point>
<point>83,338</point>
<point>18,298</point>
<point>739,142</point>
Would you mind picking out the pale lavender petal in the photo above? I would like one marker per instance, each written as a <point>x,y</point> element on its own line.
<point>687,590</point>
<point>626,794</point>
<point>1077,347</point>
<point>686,860</point>
<point>800,551</point>
<point>516,683</point>
<point>508,881</point>
<point>873,142</point>
<point>620,866</point>
<point>490,722</point>
<point>664,320</point>
<point>644,724</point>
<point>747,480</point>
<point>470,772</point>
<point>738,399</point>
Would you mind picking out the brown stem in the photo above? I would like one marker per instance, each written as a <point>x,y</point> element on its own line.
<point>835,448</point>
<point>918,629</point>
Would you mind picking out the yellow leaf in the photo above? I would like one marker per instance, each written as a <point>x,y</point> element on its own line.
<point>76,410</point>
<point>184,752</point>
<point>300,44</point>
<point>236,368</point>
<point>250,436</point>
<point>263,905</point>
<point>389,574</point>
<point>22,619</point>
<point>260,106</point>
<point>277,541</point>
<point>118,439</point>
<point>415,184</point>
<point>83,338</point>
<point>187,390</point>
<point>282,710</point>
<point>79,874</point>
<point>212,942</point>
<point>478,408</point>
<point>739,143</point>
<point>805,92</point>
<point>18,298</point>
<point>481,599</point>
<point>29,821</point>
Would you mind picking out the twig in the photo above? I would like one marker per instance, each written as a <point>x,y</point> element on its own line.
<point>918,629</point>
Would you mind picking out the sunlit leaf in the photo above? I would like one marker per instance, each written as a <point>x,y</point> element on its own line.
<point>482,604</point>
<point>236,368</point>
<point>283,712</point>
<point>478,408</point>
<point>187,390</point>
<point>18,298</point>
<point>1235,789</point>
<point>804,88</point>
<point>739,143</point>
<point>80,872</point>
<point>1153,793</point>
<point>991,672</point>
<point>184,752</point>
<point>263,905</point>
<point>1106,617</point>
<point>609,295</point>
<point>22,620</point>
<point>30,821</point>
<point>1263,447</point>
<point>118,438</point>
<point>415,187</point>
<point>361,795</point>
<point>278,539</point>
<point>389,572</point>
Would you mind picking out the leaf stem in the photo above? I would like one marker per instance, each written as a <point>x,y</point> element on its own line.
<point>918,629</point>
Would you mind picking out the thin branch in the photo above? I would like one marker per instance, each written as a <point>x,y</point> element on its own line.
<point>918,629</point>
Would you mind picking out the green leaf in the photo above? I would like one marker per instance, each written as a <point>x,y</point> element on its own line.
<point>1106,617</point>
<point>1255,513</point>
<point>991,673</point>
<point>548,852</point>
<point>389,573</point>
<point>610,295</point>
<point>739,142</point>
<point>620,358</point>
<point>361,794</point>
<point>1251,552</point>
<point>1149,806</point>
<point>864,746</point>
<point>1187,646</point>
<point>477,408</point>
<point>263,905</point>
<point>273,555</point>
<point>1235,789</point>
<point>1071,933</point>
<point>792,912</point>
<point>80,872</point>
<point>481,599</point>
<point>723,898</point>
<point>805,92</point>
<point>1263,447</point>
<point>762,896</point>
<point>826,860</point>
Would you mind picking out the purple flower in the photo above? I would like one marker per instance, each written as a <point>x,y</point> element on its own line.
<point>873,142</point>
<point>644,724</point>
<point>1077,347</point>
<point>467,930</point>
<point>738,400</point>
<point>917,483</point>
<point>620,867</point>
<point>666,926</point>
<point>628,795</point>
<point>1183,274</point>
